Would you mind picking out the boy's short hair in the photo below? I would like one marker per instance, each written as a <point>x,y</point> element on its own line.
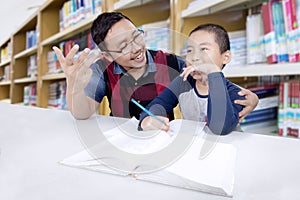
<point>221,35</point>
<point>102,24</point>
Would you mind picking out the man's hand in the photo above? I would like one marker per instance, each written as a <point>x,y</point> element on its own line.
<point>78,75</point>
<point>76,70</point>
<point>250,102</point>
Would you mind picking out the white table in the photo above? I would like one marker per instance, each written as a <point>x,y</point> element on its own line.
<point>33,140</point>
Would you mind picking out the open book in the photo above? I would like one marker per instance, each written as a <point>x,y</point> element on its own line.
<point>212,174</point>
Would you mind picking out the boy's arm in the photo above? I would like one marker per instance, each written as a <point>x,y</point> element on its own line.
<point>162,104</point>
<point>222,113</point>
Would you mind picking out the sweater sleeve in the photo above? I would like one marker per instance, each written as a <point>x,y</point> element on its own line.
<point>222,112</point>
<point>166,101</point>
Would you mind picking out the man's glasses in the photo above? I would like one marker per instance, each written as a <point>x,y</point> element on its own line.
<point>138,39</point>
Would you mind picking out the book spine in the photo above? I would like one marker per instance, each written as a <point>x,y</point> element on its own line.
<point>269,34</point>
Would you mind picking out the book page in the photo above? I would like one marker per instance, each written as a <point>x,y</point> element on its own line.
<point>127,138</point>
<point>215,170</point>
<point>121,135</point>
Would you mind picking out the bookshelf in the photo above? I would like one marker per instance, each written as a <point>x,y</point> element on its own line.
<point>5,70</point>
<point>262,70</point>
<point>51,33</point>
<point>182,17</point>
<point>24,65</point>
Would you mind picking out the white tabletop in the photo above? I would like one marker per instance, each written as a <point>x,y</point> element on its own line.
<point>33,140</point>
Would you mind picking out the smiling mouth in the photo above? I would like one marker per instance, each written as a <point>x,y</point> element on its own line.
<point>138,57</point>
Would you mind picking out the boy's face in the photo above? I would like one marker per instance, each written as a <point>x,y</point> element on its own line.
<point>123,36</point>
<point>202,48</point>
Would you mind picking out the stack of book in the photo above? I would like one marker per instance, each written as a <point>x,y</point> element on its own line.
<point>281,31</point>
<point>31,38</point>
<point>255,39</point>
<point>157,35</point>
<point>289,108</point>
<point>6,73</point>
<point>267,106</point>
<point>238,48</point>
<point>53,63</point>
<point>74,11</point>
<point>6,52</point>
<point>32,66</point>
<point>30,95</point>
<point>57,95</point>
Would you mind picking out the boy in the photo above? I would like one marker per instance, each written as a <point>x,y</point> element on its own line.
<point>201,90</point>
<point>126,70</point>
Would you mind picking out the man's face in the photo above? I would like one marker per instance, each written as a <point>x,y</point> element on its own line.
<point>124,36</point>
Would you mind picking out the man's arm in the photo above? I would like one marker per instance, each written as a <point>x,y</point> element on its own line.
<point>78,74</point>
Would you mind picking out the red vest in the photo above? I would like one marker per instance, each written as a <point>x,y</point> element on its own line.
<point>119,96</point>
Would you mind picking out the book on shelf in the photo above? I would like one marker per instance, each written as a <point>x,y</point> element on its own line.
<point>238,48</point>
<point>53,63</point>
<point>6,52</point>
<point>266,108</point>
<point>57,95</point>
<point>263,127</point>
<point>213,173</point>
<point>5,73</point>
<point>260,115</point>
<point>30,93</point>
<point>280,32</point>
<point>269,32</point>
<point>292,29</point>
<point>157,35</point>
<point>31,38</point>
<point>32,68</point>
<point>75,11</point>
<point>289,108</point>
<point>84,40</point>
<point>255,39</point>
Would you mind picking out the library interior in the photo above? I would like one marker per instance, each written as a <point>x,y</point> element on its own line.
<point>36,123</point>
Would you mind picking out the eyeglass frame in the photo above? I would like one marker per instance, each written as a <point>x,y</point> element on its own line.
<point>141,32</point>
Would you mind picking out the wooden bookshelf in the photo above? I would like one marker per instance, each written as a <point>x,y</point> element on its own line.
<point>5,83</point>
<point>5,101</point>
<point>23,48</point>
<point>125,4</point>
<point>4,90</point>
<point>231,14</point>
<point>50,77</point>
<point>282,69</point>
<point>206,7</point>
<point>70,32</point>
<point>26,52</point>
<point>25,80</point>
<point>7,62</point>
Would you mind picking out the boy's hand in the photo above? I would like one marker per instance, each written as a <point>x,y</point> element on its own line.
<point>199,66</point>
<point>76,70</point>
<point>250,102</point>
<point>149,123</point>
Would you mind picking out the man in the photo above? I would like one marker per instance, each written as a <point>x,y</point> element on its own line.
<point>125,70</point>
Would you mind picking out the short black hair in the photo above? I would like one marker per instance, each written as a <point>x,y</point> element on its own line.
<point>103,23</point>
<point>221,35</point>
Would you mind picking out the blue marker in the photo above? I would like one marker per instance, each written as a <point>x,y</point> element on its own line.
<point>148,112</point>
